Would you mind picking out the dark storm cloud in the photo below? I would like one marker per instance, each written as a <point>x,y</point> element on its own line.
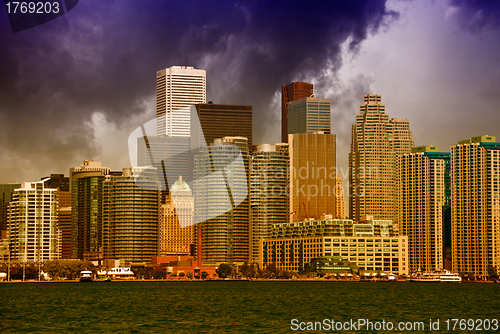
<point>103,56</point>
<point>475,15</point>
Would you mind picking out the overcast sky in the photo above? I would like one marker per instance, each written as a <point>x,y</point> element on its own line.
<point>76,87</point>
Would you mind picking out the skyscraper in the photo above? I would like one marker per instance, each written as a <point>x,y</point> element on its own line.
<point>424,201</point>
<point>312,175</point>
<point>130,215</point>
<point>177,221</point>
<point>475,206</point>
<point>221,200</point>
<point>33,223</point>
<point>308,115</point>
<point>291,92</point>
<point>177,88</point>
<point>6,191</point>
<point>218,121</point>
<point>269,183</point>
<point>86,216</point>
<point>376,143</point>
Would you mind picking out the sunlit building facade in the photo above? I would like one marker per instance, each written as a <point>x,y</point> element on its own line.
<point>309,115</point>
<point>269,186</point>
<point>376,143</point>
<point>475,206</point>
<point>32,220</point>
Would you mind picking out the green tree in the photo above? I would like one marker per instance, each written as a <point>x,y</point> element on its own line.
<point>204,275</point>
<point>189,275</point>
<point>69,269</point>
<point>224,270</point>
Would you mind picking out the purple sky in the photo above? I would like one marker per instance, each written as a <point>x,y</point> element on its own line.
<point>76,87</point>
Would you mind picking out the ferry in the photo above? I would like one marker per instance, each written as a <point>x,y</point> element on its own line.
<point>86,276</point>
<point>120,273</point>
<point>438,276</point>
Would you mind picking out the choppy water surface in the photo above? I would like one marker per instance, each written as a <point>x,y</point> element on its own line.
<point>235,307</point>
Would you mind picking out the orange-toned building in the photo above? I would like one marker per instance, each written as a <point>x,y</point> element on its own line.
<point>182,264</point>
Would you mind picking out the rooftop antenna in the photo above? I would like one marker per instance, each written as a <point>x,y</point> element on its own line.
<point>372,80</point>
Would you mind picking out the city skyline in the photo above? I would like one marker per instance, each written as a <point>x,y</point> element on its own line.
<point>439,72</point>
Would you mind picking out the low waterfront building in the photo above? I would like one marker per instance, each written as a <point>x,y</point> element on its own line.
<point>371,245</point>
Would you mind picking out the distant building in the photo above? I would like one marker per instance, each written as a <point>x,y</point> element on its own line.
<point>57,181</point>
<point>221,200</point>
<point>33,229</point>
<point>269,187</point>
<point>177,221</point>
<point>86,203</point>
<point>218,121</point>
<point>131,208</point>
<point>6,191</point>
<point>424,205</point>
<point>376,143</point>
<point>373,245</point>
<point>312,175</point>
<point>178,88</point>
<point>309,115</point>
<point>475,206</point>
<point>292,92</point>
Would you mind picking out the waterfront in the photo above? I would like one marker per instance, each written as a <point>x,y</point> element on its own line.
<point>236,307</point>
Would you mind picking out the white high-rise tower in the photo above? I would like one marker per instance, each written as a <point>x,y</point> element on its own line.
<point>177,88</point>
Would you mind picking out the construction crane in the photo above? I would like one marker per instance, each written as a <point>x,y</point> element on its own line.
<point>305,209</point>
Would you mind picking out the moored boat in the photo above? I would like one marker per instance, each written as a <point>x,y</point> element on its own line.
<point>86,276</point>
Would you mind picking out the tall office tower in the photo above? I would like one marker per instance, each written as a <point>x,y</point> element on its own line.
<point>292,92</point>
<point>424,189</point>
<point>6,191</point>
<point>221,200</point>
<point>218,121</point>
<point>308,115</point>
<point>33,223</point>
<point>61,183</point>
<point>475,205</point>
<point>376,143</point>
<point>269,186</point>
<point>130,215</point>
<point>177,88</point>
<point>86,203</point>
<point>312,175</point>
<point>177,221</point>
<point>339,198</point>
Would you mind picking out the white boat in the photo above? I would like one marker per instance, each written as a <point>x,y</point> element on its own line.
<point>448,277</point>
<point>438,276</point>
<point>120,273</point>
<point>3,276</point>
<point>86,276</point>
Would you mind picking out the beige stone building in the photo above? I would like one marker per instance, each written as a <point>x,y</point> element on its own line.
<point>376,143</point>
<point>177,221</point>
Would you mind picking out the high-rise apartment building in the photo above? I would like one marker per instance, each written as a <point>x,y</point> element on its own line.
<point>221,200</point>
<point>130,215</point>
<point>376,143</point>
<point>269,186</point>
<point>292,92</point>
<point>309,115</point>
<point>475,206</point>
<point>177,221</point>
<point>86,215</point>
<point>424,201</point>
<point>33,223</point>
<point>177,88</point>
<point>312,175</point>
<point>61,183</point>
<point>218,121</point>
